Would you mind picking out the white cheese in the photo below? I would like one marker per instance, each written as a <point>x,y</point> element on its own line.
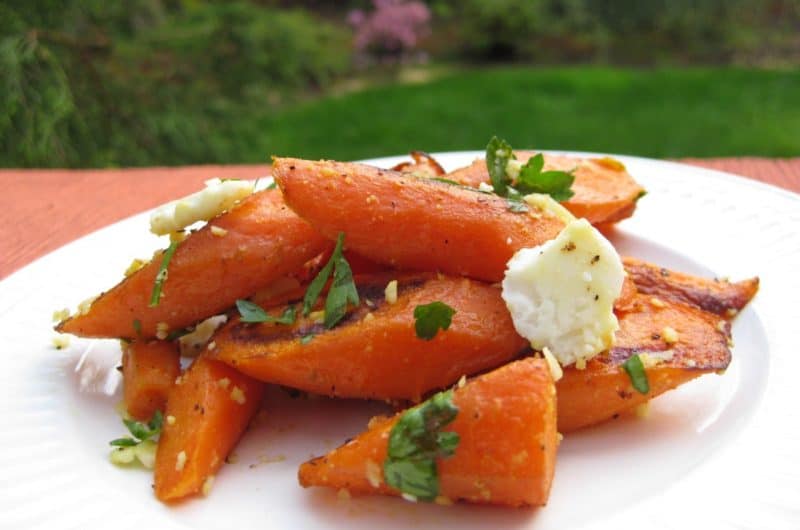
<point>218,196</point>
<point>192,343</point>
<point>561,294</point>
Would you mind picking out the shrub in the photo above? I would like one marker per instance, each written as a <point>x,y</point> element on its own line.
<point>392,30</point>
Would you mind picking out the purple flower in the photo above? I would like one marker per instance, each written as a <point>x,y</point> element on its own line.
<point>394,27</point>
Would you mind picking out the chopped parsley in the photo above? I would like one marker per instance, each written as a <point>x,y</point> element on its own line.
<point>141,431</point>
<point>161,275</point>
<point>531,178</point>
<point>446,181</point>
<point>251,313</point>
<point>430,318</point>
<point>342,290</point>
<point>635,369</point>
<point>416,441</point>
<point>137,327</point>
<point>305,339</point>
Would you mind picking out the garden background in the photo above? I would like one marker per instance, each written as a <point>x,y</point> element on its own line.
<point>170,82</point>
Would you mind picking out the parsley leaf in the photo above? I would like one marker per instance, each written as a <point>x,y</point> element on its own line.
<point>252,313</point>
<point>305,339</point>
<point>637,374</point>
<point>446,181</point>
<point>416,441</point>
<point>554,183</point>
<point>498,153</point>
<point>342,290</point>
<point>161,275</point>
<point>137,327</point>
<point>141,431</point>
<point>430,318</point>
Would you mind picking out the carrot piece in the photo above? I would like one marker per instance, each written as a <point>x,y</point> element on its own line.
<point>506,453</point>
<point>604,191</point>
<point>374,352</point>
<point>207,412</point>
<point>411,223</point>
<point>721,297</point>
<point>149,369</point>
<point>603,389</point>
<point>262,241</point>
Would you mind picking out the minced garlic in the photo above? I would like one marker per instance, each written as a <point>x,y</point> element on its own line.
<point>170,420</point>
<point>238,395</point>
<point>61,341</point>
<point>162,330</point>
<point>218,231</point>
<point>180,461</point>
<point>86,305</point>
<point>224,382</point>
<point>207,485</point>
<point>374,474</point>
<point>135,265</point>
<point>391,292</point>
<point>669,335</point>
<point>60,315</point>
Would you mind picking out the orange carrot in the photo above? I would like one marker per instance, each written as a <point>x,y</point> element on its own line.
<point>721,297</point>
<point>697,344</point>
<point>375,352</point>
<point>149,369</point>
<point>604,191</point>
<point>506,453</point>
<point>260,240</point>
<point>411,223</point>
<point>207,412</point>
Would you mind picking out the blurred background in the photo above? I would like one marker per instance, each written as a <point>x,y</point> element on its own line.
<point>95,83</point>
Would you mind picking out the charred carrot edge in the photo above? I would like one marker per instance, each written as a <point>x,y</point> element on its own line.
<point>149,369</point>
<point>683,342</point>
<point>411,223</point>
<point>374,352</point>
<point>260,241</point>
<point>507,449</point>
<point>718,296</point>
<point>604,191</point>
<point>207,411</point>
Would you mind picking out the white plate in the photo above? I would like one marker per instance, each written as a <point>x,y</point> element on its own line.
<point>719,452</point>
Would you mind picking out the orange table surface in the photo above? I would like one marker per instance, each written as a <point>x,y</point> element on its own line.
<point>45,209</point>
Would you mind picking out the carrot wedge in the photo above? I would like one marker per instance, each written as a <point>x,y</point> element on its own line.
<point>604,191</point>
<point>149,369</point>
<point>251,245</point>
<point>506,453</point>
<point>603,389</point>
<point>374,352</point>
<point>207,412</point>
<point>721,297</point>
<point>411,223</point>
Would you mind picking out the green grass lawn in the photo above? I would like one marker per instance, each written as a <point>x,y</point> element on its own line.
<point>658,113</point>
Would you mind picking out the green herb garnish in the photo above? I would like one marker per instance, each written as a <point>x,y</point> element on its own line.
<point>161,275</point>
<point>430,318</point>
<point>531,178</point>
<point>251,313</point>
<point>137,327</point>
<point>446,181</point>
<point>635,369</point>
<point>342,290</point>
<point>141,431</point>
<point>416,441</point>
<point>271,186</point>
<point>305,339</point>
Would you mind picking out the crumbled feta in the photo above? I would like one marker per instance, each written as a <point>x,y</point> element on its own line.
<point>60,315</point>
<point>513,167</point>
<point>171,420</point>
<point>547,205</point>
<point>135,265</point>
<point>654,358</point>
<point>553,305</point>
<point>61,341</point>
<point>374,474</point>
<point>180,461</point>
<point>485,187</point>
<point>391,292</point>
<point>238,395</point>
<point>218,196</point>
<point>86,305</point>
<point>552,363</point>
<point>191,343</point>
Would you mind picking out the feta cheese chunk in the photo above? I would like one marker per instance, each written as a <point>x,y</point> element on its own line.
<point>561,294</point>
<point>218,196</point>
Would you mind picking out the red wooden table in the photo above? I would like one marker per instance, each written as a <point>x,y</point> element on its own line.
<point>42,210</point>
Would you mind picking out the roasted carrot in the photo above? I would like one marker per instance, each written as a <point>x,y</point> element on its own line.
<point>506,453</point>
<point>678,343</point>
<point>149,369</point>
<point>718,296</point>
<point>375,352</point>
<point>411,223</point>
<point>604,191</point>
<point>249,247</point>
<point>207,411</point>
<point>423,165</point>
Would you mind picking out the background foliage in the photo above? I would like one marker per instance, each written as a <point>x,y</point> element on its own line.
<point>93,83</point>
